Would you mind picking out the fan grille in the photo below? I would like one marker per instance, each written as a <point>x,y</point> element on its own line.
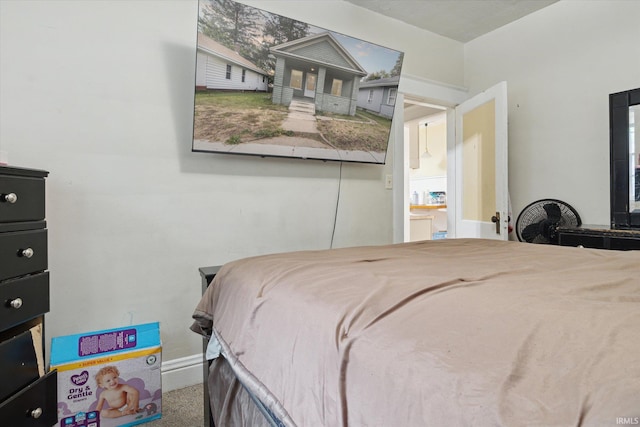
<point>539,221</point>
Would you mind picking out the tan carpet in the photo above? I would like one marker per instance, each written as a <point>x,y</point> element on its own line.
<point>181,408</point>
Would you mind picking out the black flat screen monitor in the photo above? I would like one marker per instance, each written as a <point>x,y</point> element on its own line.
<point>272,86</point>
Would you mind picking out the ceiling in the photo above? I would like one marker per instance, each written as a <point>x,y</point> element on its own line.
<point>461,20</point>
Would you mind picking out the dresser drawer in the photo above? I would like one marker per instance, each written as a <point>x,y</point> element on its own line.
<point>23,299</point>
<point>22,252</point>
<point>20,365</point>
<point>21,198</point>
<point>599,237</point>
<point>587,241</point>
<point>34,406</point>
<point>624,243</point>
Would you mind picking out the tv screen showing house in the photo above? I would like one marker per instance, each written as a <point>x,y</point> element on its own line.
<point>272,86</point>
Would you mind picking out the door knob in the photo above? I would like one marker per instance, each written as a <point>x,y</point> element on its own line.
<point>496,220</point>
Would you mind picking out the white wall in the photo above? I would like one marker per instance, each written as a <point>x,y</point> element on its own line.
<point>100,93</point>
<point>560,64</point>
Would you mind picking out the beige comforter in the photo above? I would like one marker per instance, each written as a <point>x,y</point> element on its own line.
<point>458,332</point>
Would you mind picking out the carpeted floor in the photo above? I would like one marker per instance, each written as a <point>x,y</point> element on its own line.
<point>181,408</point>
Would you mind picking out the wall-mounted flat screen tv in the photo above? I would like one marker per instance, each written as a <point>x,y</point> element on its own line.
<point>272,86</point>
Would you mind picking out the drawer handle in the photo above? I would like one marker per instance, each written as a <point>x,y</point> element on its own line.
<point>11,197</point>
<point>35,413</point>
<point>16,303</point>
<point>27,253</point>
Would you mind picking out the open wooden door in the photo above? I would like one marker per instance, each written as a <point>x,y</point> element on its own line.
<point>481,175</point>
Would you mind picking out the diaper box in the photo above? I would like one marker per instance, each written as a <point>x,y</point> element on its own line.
<point>109,378</point>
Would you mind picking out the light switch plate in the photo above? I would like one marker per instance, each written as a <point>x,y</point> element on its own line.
<point>388,182</point>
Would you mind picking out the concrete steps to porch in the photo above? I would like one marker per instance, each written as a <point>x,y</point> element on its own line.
<point>307,107</point>
<point>301,117</point>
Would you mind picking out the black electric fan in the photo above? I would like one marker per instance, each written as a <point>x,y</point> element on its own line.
<point>539,221</point>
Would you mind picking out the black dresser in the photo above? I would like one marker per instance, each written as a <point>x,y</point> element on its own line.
<point>599,237</point>
<point>28,394</point>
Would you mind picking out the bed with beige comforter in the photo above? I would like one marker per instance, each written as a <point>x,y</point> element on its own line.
<point>457,332</point>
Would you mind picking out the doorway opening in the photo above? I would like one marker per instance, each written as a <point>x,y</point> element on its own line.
<point>425,133</point>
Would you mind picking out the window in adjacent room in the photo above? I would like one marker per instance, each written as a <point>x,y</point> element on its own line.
<point>296,79</point>
<point>336,87</point>
<point>228,72</point>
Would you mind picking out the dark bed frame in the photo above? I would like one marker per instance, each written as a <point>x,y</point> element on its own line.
<point>207,274</point>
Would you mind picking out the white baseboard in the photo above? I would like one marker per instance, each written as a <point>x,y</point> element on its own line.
<point>181,372</point>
